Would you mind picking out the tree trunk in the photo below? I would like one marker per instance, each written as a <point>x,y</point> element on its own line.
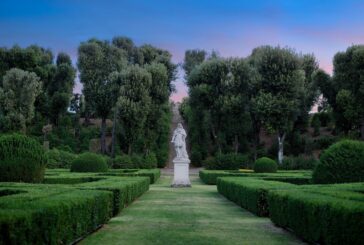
<point>113,135</point>
<point>129,149</point>
<point>103,136</point>
<point>216,139</point>
<point>281,137</point>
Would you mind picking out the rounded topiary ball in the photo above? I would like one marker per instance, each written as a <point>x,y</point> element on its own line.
<point>89,162</point>
<point>265,165</point>
<point>341,162</point>
<point>22,159</point>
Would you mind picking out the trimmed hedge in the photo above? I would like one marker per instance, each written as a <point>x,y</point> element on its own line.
<point>249,193</point>
<point>123,161</point>
<point>229,161</point>
<point>341,162</point>
<point>324,217</point>
<point>59,158</point>
<point>265,165</point>
<point>22,159</point>
<point>54,214</point>
<point>89,162</point>
<point>153,174</point>
<point>210,176</point>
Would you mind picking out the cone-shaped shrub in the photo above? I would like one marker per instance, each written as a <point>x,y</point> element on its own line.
<point>22,159</point>
<point>89,162</point>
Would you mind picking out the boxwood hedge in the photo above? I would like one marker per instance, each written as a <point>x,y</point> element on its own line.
<point>66,210</point>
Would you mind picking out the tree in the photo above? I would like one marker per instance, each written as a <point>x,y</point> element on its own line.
<point>17,96</point>
<point>134,101</point>
<point>97,60</point>
<point>282,82</point>
<point>192,59</point>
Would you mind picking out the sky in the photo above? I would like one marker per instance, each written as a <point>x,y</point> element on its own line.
<point>230,27</point>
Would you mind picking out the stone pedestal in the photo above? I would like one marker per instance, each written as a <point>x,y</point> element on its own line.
<point>181,173</point>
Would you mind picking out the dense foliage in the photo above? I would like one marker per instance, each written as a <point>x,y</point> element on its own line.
<point>22,159</point>
<point>53,214</point>
<point>231,100</point>
<point>265,165</point>
<point>59,158</point>
<point>230,161</point>
<point>341,162</point>
<point>89,162</point>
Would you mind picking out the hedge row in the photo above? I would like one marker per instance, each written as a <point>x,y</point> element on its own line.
<point>249,193</point>
<point>61,214</point>
<point>210,176</point>
<point>153,174</point>
<point>51,214</point>
<point>322,218</point>
<point>325,214</point>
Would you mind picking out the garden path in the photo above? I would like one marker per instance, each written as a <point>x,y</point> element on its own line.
<point>197,215</point>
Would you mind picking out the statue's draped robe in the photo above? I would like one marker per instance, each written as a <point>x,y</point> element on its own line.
<point>179,141</point>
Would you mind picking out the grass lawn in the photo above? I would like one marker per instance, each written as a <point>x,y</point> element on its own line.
<point>197,215</point>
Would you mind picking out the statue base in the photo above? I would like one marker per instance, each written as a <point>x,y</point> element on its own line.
<point>181,173</point>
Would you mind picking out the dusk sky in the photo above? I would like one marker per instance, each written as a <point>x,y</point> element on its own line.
<point>233,28</point>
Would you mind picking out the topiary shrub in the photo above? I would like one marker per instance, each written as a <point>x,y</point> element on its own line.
<point>341,162</point>
<point>22,159</point>
<point>123,161</point>
<point>150,161</point>
<point>265,165</point>
<point>137,160</point>
<point>59,158</point>
<point>89,162</point>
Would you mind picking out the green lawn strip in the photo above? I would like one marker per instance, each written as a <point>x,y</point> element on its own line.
<point>320,215</point>
<point>296,176</point>
<point>197,215</point>
<point>51,214</point>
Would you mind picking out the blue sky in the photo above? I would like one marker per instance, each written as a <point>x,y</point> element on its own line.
<point>233,28</point>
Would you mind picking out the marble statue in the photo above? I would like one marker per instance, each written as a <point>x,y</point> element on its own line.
<point>179,141</point>
<point>181,162</point>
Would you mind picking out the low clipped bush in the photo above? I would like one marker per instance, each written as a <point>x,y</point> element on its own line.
<point>265,165</point>
<point>230,161</point>
<point>89,162</point>
<point>123,161</point>
<point>59,158</point>
<point>150,161</point>
<point>299,162</point>
<point>22,159</point>
<point>137,161</point>
<point>341,162</point>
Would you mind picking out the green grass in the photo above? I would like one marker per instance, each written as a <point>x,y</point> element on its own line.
<point>197,215</point>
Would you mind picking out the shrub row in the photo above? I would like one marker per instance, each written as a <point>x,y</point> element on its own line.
<point>153,174</point>
<point>229,161</point>
<point>210,176</point>
<point>54,214</point>
<point>325,214</point>
<point>249,193</point>
<point>59,159</point>
<point>322,218</point>
<point>135,161</point>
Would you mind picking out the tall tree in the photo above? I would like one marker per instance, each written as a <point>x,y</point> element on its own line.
<point>192,59</point>
<point>17,96</point>
<point>282,83</point>
<point>134,102</point>
<point>97,60</point>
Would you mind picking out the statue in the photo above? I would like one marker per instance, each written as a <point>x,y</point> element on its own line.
<point>181,161</point>
<point>179,141</point>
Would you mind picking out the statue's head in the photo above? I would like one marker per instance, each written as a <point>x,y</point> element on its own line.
<point>179,125</point>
